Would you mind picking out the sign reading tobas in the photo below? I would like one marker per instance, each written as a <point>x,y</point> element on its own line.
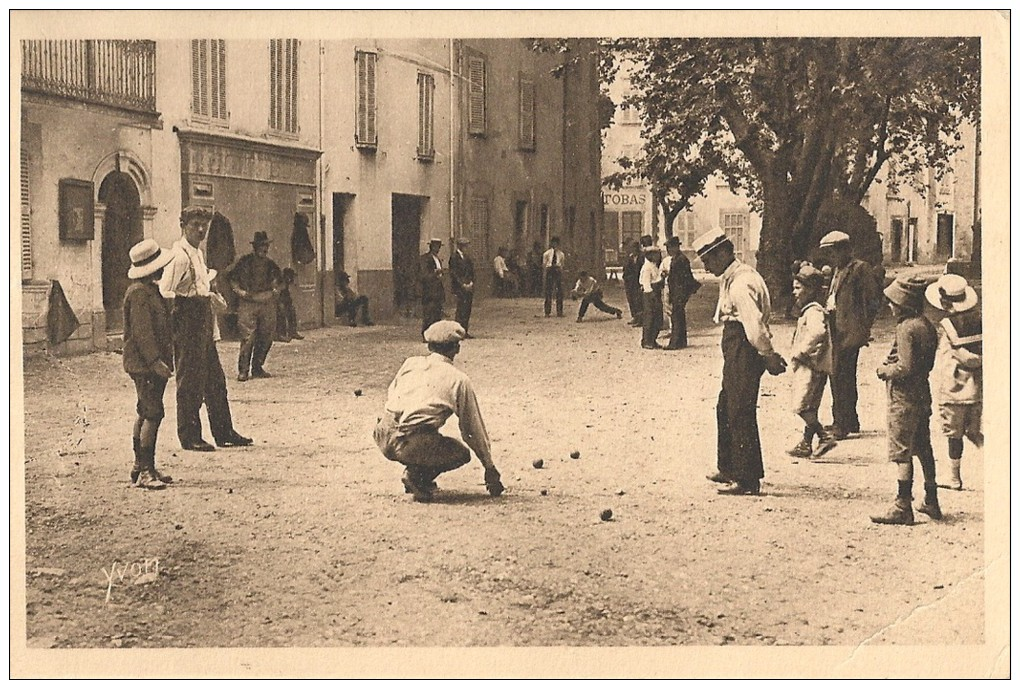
<point>623,199</point>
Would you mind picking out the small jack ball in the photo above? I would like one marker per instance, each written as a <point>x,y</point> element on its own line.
<point>544,492</point>
<point>606,515</point>
<point>575,454</point>
<point>537,463</point>
<point>358,392</point>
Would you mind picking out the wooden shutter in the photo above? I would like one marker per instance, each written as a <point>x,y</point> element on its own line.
<point>426,115</point>
<point>292,85</point>
<point>365,128</point>
<point>26,219</point>
<point>476,95</point>
<point>218,80</point>
<point>527,114</point>
<point>274,84</point>
<point>200,77</point>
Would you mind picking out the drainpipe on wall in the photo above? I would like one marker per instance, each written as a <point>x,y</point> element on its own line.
<point>322,205</point>
<point>453,155</point>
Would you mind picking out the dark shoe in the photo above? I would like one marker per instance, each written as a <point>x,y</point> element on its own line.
<point>352,324</point>
<point>146,480</point>
<point>234,439</point>
<point>166,479</point>
<point>652,346</point>
<point>931,509</point>
<point>825,444</point>
<point>740,489</point>
<point>367,323</point>
<point>672,348</point>
<point>261,374</point>
<point>134,473</point>
<point>580,320</point>
<point>900,513</point>
<point>282,338</point>
<point>836,432</point>
<point>801,450</point>
<point>198,445</point>
<point>242,377</point>
<point>718,478</point>
<point>468,336</point>
<point>298,336</point>
<point>421,492</point>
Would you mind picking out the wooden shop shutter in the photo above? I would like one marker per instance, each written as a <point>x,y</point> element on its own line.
<point>365,127</point>
<point>476,95</point>
<point>26,218</point>
<point>426,115</point>
<point>527,114</point>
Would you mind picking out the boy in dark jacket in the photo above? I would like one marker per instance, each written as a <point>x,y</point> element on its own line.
<point>148,356</point>
<point>906,371</point>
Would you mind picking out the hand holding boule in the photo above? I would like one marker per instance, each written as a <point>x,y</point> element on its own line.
<point>492,482</point>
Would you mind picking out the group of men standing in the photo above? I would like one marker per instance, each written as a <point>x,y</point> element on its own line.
<point>461,271</point>
<point>658,288</point>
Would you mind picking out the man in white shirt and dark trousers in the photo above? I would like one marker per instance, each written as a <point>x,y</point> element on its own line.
<point>186,283</point>
<point>424,394</point>
<point>552,267</point>
<point>744,309</point>
<point>651,292</point>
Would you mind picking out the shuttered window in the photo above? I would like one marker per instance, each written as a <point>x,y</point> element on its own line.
<point>26,219</point>
<point>478,226</point>
<point>526,128</point>
<point>426,116</point>
<point>283,85</point>
<point>365,134</point>
<point>476,95</point>
<point>209,79</point>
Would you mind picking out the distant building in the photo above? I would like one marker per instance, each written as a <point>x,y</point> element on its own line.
<point>914,228</point>
<point>370,146</point>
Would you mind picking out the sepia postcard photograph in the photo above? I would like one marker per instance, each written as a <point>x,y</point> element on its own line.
<point>509,343</point>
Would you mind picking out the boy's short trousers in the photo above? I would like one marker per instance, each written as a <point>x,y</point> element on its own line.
<point>150,388</point>
<point>961,420</point>
<point>909,430</point>
<point>808,387</point>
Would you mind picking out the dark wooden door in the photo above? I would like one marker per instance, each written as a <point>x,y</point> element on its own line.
<point>122,228</point>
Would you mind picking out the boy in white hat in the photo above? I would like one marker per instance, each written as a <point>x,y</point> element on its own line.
<point>958,367</point>
<point>148,356</point>
<point>906,371</point>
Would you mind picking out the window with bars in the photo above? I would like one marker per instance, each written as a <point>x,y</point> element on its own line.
<point>526,128</point>
<point>365,133</point>
<point>209,80</point>
<point>426,116</point>
<point>283,85</point>
<point>632,226</point>
<point>476,95</point>
<point>26,218</point>
<point>734,225</point>
<point>478,225</point>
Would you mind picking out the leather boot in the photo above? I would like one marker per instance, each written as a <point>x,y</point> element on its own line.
<point>930,506</point>
<point>139,463</point>
<point>900,513</point>
<point>147,477</point>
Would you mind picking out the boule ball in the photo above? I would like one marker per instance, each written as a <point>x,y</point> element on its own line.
<point>544,492</point>
<point>358,392</point>
<point>606,515</point>
<point>575,454</point>
<point>537,463</point>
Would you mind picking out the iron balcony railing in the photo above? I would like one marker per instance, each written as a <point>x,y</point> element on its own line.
<point>120,73</point>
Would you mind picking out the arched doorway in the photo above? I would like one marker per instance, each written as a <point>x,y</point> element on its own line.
<point>122,228</point>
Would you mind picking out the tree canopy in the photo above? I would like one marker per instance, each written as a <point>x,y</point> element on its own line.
<point>795,122</point>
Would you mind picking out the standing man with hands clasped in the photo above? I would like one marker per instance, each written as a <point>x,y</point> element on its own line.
<point>200,378</point>
<point>433,294</point>
<point>462,283</point>
<point>744,309</point>
<point>257,281</point>
<point>552,267</point>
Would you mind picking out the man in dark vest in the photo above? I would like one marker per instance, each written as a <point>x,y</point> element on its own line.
<point>462,283</point>
<point>682,285</point>
<point>256,280</point>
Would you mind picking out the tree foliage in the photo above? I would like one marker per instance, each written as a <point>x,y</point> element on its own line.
<point>796,122</point>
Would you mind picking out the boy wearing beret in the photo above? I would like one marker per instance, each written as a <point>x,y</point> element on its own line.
<point>905,372</point>
<point>812,361</point>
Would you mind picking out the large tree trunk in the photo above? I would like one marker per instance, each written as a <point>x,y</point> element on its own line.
<point>775,254</point>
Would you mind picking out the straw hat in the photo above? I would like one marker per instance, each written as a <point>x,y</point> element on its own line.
<point>147,258</point>
<point>951,293</point>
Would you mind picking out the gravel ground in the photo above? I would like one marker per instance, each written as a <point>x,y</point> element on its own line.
<point>307,540</point>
